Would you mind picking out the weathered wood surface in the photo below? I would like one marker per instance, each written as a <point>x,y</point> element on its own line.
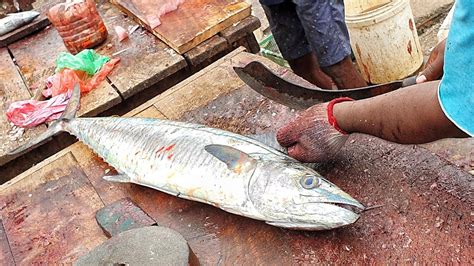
<point>241,29</point>
<point>425,212</point>
<point>192,23</point>
<point>43,215</point>
<point>145,60</point>
<point>36,57</point>
<point>206,50</point>
<point>228,39</point>
<point>6,256</point>
<point>42,5</point>
<point>9,6</point>
<point>12,89</point>
<point>13,36</point>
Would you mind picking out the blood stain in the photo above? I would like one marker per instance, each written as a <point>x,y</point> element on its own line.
<point>160,149</point>
<point>170,147</point>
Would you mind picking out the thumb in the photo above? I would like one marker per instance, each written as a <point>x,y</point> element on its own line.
<point>287,135</point>
<point>299,153</point>
<point>433,71</point>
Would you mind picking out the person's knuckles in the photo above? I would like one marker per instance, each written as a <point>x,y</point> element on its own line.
<point>299,153</point>
<point>286,136</point>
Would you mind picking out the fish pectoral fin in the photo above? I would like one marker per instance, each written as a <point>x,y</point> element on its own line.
<point>236,160</point>
<point>120,178</point>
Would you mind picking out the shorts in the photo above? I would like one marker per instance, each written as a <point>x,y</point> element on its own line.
<point>303,26</point>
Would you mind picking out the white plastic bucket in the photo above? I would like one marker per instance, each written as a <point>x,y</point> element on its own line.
<point>385,42</point>
<point>355,7</point>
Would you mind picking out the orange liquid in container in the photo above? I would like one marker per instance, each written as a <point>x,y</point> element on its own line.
<point>79,24</point>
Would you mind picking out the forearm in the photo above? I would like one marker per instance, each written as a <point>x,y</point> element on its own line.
<point>410,116</point>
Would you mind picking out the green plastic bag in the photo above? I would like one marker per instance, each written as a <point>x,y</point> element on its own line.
<point>269,49</point>
<point>87,60</point>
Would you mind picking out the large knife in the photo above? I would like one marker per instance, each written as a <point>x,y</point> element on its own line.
<point>264,81</point>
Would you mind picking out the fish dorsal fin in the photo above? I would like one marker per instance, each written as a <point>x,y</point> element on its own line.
<point>236,160</point>
<point>268,139</point>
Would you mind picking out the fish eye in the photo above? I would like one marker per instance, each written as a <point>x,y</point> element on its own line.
<point>310,181</point>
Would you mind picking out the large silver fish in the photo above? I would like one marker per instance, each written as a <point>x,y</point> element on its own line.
<point>16,20</point>
<point>235,173</point>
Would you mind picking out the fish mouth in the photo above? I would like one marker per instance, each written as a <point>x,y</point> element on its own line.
<point>338,215</point>
<point>342,202</point>
<point>356,208</point>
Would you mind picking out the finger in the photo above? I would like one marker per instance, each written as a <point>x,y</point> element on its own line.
<point>288,135</point>
<point>300,153</point>
<point>432,71</point>
<point>420,79</point>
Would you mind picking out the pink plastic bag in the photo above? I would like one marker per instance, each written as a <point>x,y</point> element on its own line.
<point>31,113</point>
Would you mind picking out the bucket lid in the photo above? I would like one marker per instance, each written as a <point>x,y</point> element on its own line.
<point>377,15</point>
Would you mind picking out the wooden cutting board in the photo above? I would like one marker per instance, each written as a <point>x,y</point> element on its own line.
<point>193,22</point>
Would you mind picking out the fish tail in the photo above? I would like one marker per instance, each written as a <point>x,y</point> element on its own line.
<point>56,127</point>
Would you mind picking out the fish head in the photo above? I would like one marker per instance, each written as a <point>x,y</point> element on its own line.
<point>294,196</point>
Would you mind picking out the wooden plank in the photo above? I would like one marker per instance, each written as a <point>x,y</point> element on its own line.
<point>219,78</point>
<point>252,43</point>
<point>43,5</point>
<point>190,24</point>
<point>13,36</point>
<point>36,57</point>
<point>218,45</point>
<point>241,29</point>
<point>6,256</point>
<point>147,111</point>
<point>8,6</point>
<point>47,215</point>
<point>206,50</point>
<point>145,61</point>
<point>12,89</point>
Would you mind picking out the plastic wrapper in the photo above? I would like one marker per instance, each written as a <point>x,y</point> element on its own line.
<point>65,79</point>
<point>31,113</point>
<point>87,60</point>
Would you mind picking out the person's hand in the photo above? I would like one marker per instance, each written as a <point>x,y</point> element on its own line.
<point>434,67</point>
<point>311,136</point>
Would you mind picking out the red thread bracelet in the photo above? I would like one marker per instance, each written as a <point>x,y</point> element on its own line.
<point>331,119</point>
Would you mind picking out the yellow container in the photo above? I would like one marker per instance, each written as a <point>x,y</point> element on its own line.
<point>385,42</point>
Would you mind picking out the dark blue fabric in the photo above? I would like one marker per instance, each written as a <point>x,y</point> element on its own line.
<point>271,2</point>
<point>302,26</point>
